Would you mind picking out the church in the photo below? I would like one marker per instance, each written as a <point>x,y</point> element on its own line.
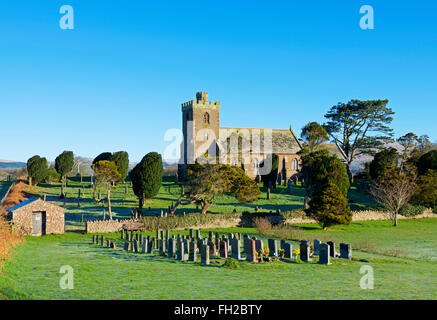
<point>204,140</point>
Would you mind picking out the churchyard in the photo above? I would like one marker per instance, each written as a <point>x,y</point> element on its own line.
<point>136,265</point>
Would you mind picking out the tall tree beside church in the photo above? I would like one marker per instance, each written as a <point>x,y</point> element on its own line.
<point>314,135</point>
<point>146,177</point>
<point>360,127</point>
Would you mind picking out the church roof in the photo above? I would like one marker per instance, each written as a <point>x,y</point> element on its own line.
<point>284,141</point>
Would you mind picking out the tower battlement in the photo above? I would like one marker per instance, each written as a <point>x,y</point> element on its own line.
<point>201,102</point>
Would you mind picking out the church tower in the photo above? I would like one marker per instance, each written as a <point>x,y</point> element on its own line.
<point>198,115</point>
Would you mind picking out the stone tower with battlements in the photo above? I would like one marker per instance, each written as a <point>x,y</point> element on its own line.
<point>200,127</point>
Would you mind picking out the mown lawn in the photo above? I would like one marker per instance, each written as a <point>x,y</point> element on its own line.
<point>101,273</point>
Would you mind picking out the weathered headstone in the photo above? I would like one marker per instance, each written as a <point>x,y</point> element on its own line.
<point>324,256</point>
<point>193,253</point>
<point>212,248</point>
<point>172,248</point>
<point>191,233</point>
<point>316,246</point>
<point>102,241</point>
<point>127,246</point>
<point>223,249</point>
<point>122,234</point>
<point>259,245</point>
<point>345,251</point>
<point>135,245</point>
<point>186,249</point>
<point>204,255</point>
<point>113,245</point>
<point>180,252</point>
<point>235,248</point>
<point>108,243</point>
<point>198,236</point>
<point>273,248</point>
<point>288,252</point>
<point>331,248</point>
<point>251,251</point>
<point>162,247</point>
<point>282,244</point>
<point>245,240</point>
<point>305,251</point>
<point>145,246</point>
<point>210,235</point>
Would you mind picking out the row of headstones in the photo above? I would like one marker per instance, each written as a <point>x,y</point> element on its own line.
<point>101,241</point>
<point>325,251</point>
<point>180,247</point>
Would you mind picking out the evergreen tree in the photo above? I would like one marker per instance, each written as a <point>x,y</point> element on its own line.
<point>427,161</point>
<point>328,206</point>
<point>64,163</point>
<point>272,177</point>
<point>121,160</point>
<point>146,177</point>
<point>37,169</point>
<point>104,156</point>
<point>387,158</point>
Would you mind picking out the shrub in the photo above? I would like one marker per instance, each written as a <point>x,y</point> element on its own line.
<point>426,193</point>
<point>412,210</point>
<point>231,264</point>
<point>427,161</point>
<point>262,225</point>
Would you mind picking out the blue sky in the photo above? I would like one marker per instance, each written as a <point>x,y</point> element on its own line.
<point>117,81</point>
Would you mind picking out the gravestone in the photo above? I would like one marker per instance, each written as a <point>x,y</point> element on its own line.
<point>186,249</point>
<point>167,235</point>
<point>191,233</point>
<point>305,251</point>
<point>231,236</point>
<point>223,249</point>
<point>290,186</point>
<point>235,249</point>
<point>282,243</point>
<point>199,242</point>
<point>259,245</point>
<point>251,251</point>
<point>217,235</point>
<point>127,246</point>
<point>108,243</point>
<point>145,246</point>
<point>162,234</point>
<point>198,236</point>
<point>113,245</point>
<point>193,253</point>
<point>324,256</point>
<point>204,255</point>
<point>102,241</point>
<point>238,235</point>
<point>345,251</point>
<point>157,234</point>
<point>162,248</point>
<point>212,248</point>
<point>135,245</point>
<point>217,245</point>
<point>210,235</point>
<point>316,245</point>
<point>151,246</point>
<point>331,248</point>
<point>172,248</point>
<point>122,234</point>
<point>94,239</point>
<point>245,240</point>
<point>288,252</point>
<point>180,251</point>
<point>141,238</point>
<point>273,248</point>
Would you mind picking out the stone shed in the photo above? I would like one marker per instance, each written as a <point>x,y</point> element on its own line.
<point>36,217</point>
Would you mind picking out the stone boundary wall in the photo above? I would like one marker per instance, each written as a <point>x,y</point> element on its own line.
<point>109,226</point>
<point>105,226</point>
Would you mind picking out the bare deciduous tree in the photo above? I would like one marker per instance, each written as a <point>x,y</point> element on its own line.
<point>394,191</point>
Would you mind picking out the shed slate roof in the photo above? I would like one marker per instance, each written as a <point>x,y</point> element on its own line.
<point>21,204</point>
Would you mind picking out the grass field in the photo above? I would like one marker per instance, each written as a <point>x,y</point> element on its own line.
<point>101,273</point>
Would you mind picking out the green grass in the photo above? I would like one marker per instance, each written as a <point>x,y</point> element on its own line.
<point>101,273</point>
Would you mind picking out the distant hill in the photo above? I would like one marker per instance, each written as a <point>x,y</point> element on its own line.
<point>8,164</point>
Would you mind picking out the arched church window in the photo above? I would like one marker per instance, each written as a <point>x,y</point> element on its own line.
<point>294,164</point>
<point>206,117</point>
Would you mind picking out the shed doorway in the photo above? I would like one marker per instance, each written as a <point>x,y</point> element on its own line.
<point>39,223</point>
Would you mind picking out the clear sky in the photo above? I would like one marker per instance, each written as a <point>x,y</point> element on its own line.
<point>117,81</point>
